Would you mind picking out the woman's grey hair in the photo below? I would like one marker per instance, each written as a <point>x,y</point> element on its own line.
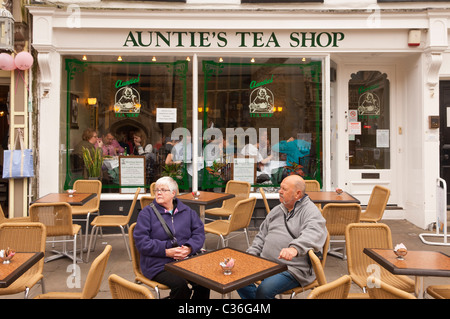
<point>169,182</point>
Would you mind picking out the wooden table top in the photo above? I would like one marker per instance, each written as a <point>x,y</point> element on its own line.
<point>205,198</point>
<point>78,199</point>
<point>205,270</point>
<point>323,197</point>
<point>415,263</point>
<point>19,264</point>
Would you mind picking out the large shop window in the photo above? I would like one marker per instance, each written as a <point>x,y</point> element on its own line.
<point>257,121</point>
<point>369,143</point>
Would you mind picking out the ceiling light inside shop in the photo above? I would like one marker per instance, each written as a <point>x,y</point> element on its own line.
<point>220,60</point>
<point>84,58</point>
<point>119,58</point>
<point>188,59</point>
<point>252,60</point>
<point>154,59</point>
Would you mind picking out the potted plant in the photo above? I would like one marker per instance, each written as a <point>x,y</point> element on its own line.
<point>93,162</point>
<point>172,170</point>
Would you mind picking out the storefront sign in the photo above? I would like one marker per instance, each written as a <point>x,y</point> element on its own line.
<point>239,39</point>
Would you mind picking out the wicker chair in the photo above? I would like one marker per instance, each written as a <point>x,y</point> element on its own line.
<point>120,221</point>
<point>338,216</point>
<point>382,290</point>
<point>241,190</point>
<point>93,280</point>
<point>3,218</point>
<point>91,207</point>
<point>135,260</point>
<point>57,218</point>
<point>123,289</point>
<point>377,204</point>
<point>312,185</point>
<point>337,289</point>
<point>240,219</point>
<point>24,237</point>
<point>371,235</point>
<point>439,291</point>
<point>318,266</point>
<point>266,203</point>
<point>146,200</point>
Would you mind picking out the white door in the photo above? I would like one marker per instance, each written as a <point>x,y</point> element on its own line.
<point>365,142</point>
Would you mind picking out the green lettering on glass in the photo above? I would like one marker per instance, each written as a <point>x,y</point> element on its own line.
<point>362,89</point>
<point>253,84</point>
<point>120,83</point>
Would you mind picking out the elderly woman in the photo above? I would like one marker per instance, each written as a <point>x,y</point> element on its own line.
<point>157,248</point>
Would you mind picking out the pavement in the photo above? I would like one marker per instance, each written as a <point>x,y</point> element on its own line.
<point>57,274</point>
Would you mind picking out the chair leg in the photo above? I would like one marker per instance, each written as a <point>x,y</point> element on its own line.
<point>94,230</point>
<point>246,237</point>
<point>126,241</point>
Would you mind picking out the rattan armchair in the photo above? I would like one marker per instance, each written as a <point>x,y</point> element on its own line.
<point>146,200</point>
<point>24,237</point>
<point>439,291</point>
<point>57,218</point>
<point>123,289</point>
<point>240,189</point>
<point>91,207</point>
<point>318,267</point>
<point>376,205</point>
<point>266,203</point>
<point>135,260</point>
<point>240,219</point>
<point>338,216</point>
<point>3,218</point>
<point>371,235</point>
<point>120,221</point>
<point>312,185</point>
<point>337,289</point>
<point>93,280</point>
<point>381,290</point>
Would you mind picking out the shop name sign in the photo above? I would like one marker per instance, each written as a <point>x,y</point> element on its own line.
<point>239,39</point>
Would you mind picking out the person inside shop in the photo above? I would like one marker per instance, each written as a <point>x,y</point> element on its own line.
<point>263,156</point>
<point>287,234</point>
<point>111,146</point>
<point>157,248</point>
<point>89,140</point>
<point>140,145</point>
<point>293,148</point>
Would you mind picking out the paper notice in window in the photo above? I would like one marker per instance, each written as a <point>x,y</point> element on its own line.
<point>382,138</point>
<point>354,128</point>
<point>166,115</point>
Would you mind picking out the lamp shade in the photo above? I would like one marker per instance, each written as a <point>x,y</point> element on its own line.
<point>7,62</point>
<point>24,60</point>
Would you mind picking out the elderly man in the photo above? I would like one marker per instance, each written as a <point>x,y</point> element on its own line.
<point>157,248</point>
<point>289,231</point>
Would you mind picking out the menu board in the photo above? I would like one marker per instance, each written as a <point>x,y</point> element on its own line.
<point>244,169</point>
<point>132,173</point>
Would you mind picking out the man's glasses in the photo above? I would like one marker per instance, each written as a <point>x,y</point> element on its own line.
<point>162,190</point>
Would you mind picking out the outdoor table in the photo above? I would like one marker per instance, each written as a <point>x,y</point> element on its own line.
<point>205,198</point>
<point>327,197</point>
<point>416,263</point>
<point>205,270</point>
<point>18,265</point>
<point>78,199</point>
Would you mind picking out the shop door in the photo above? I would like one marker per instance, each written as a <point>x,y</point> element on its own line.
<point>444,132</point>
<point>368,139</point>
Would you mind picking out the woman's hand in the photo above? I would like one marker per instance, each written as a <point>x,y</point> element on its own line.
<point>178,253</point>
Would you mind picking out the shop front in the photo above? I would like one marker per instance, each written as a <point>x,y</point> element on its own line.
<point>228,99</point>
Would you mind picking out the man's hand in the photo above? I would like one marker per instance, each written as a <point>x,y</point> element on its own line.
<point>288,253</point>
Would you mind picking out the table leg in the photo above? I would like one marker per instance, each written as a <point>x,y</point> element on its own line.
<point>418,287</point>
